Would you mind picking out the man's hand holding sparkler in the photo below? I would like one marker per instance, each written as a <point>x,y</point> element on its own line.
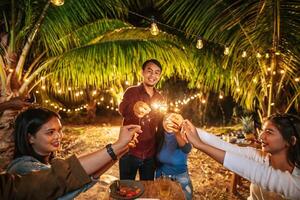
<point>141,109</point>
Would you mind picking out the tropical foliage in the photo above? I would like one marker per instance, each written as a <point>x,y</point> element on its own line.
<point>261,69</point>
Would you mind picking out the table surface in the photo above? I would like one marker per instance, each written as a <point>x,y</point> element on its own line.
<point>152,190</point>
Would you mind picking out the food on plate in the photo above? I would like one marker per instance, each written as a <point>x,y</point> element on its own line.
<point>126,191</point>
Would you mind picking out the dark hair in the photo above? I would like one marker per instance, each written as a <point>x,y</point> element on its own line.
<point>154,61</point>
<point>289,126</point>
<point>30,122</point>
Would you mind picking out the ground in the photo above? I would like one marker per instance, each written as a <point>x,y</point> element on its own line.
<point>210,179</point>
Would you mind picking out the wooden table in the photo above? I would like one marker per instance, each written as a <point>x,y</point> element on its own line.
<point>152,191</point>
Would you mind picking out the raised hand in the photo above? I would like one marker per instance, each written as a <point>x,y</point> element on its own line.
<point>128,135</point>
<point>141,109</point>
<point>172,122</point>
<point>189,131</point>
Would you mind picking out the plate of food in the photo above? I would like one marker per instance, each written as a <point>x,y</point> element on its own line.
<point>126,189</point>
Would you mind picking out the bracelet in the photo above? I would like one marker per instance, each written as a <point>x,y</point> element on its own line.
<point>111,152</point>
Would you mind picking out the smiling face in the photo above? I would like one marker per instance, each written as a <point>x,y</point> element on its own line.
<point>48,138</point>
<point>151,74</point>
<point>272,140</point>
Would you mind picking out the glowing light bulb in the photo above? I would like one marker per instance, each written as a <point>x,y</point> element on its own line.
<point>226,51</point>
<point>199,44</point>
<point>58,2</point>
<point>154,29</point>
<point>244,54</point>
<point>267,55</point>
<point>258,55</point>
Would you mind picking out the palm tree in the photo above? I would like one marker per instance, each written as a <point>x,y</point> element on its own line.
<point>261,65</point>
<point>79,45</point>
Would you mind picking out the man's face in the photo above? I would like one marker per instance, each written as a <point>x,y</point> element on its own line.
<point>151,74</point>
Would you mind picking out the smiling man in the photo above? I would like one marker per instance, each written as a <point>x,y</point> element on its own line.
<point>136,109</point>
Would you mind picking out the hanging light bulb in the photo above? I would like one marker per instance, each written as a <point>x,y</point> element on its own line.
<point>58,2</point>
<point>199,44</point>
<point>244,54</point>
<point>258,55</point>
<point>154,29</point>
<point>226,51</point>
<point>267,55</point>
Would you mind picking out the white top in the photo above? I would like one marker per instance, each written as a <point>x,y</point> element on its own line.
<point>253,165</point>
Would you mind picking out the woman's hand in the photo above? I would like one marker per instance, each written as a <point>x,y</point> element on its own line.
<point>141,109</point>
<point>189,132</point>
<point>128,135</point>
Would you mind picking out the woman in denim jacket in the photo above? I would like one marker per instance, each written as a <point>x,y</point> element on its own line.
<point>172,153</point>
<point>38,134</point>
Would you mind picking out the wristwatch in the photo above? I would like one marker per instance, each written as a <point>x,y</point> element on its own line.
<point>111,152</point>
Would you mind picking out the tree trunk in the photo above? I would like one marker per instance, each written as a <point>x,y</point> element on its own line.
<point>91,111</point>
<point>6,137</point>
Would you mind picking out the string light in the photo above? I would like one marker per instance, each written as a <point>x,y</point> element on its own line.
<point>244,54</point>
<point>58,2</point>
<point>199,44</point>
<point>154,29</point>
<point>258,55</point>
<point>267,55</point>
<point>226,51</point>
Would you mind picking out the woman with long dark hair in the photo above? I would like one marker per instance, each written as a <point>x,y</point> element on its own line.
<point>38,135</point>
<point>274,171</point>
<point>172,153</point>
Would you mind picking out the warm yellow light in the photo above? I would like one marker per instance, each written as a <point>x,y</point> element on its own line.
<point>203,101</point>
<point>258,55</point>
<point>43,87</point>
<point>154,29</point>
<point>126,82</point>
<point>199,44</point>
<point>244,54</point>
<point>226,51</point>
<point>297,79</point>
<point>221,96</point>
<point>267,55</point>
<point>238,89</point>
<point>58,2</point>
<point>282,71</point>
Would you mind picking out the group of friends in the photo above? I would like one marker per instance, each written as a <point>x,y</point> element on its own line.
<point>145,146</point>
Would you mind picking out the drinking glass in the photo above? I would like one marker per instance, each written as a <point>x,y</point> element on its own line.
<point>164,189</point>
